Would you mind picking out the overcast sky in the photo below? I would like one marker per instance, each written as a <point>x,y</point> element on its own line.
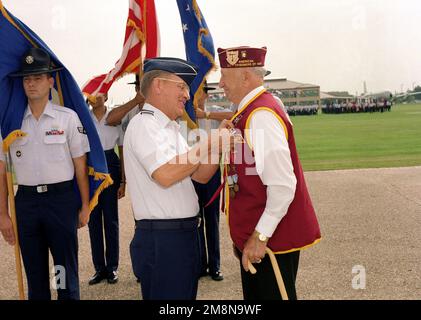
<point>336,44</point>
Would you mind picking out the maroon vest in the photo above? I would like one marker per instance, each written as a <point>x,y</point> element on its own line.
<point>299,227</point>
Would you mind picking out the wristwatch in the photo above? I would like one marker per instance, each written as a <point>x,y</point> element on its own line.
<point>262,237</point>
<point>207,115</point>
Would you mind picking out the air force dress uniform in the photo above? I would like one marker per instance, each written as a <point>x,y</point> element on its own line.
<point>104,218</point>
<point>46,202</point>
<point>165,248</point>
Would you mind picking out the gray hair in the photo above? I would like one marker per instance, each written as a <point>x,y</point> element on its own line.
<point>259,71</point>
<point>147,79</point>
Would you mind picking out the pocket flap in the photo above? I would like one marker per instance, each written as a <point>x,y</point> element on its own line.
<point>55,139</point>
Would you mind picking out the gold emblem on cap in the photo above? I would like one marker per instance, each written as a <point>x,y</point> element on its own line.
<point>232,57</point>
<point>29,59</point>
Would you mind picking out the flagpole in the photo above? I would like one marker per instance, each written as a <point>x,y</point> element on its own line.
<point>11,195</point>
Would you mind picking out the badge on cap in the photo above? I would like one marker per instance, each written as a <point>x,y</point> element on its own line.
<point>18,154</point>
<point>242,57</point>
<point>29,59</point>
<point>232,57</point>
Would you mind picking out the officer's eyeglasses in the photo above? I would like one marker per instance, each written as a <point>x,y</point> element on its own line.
<point>180,84</point>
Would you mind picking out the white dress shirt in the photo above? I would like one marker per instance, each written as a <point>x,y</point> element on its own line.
<point>45,154</point>
<point>2,158</point>
<point>273,164</point>
<point>110,136</point>
<point>151,140</point>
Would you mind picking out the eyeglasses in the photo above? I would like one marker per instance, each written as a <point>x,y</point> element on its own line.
<point>180,84</point>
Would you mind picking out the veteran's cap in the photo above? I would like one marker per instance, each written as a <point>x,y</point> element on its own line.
<point>242,57</point>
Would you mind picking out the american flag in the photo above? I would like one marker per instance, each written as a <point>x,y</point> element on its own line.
<point>141,41</point>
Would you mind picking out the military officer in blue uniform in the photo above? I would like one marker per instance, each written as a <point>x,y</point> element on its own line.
<point>104,218</point>
<point>46,160</point>
<point>160,168</point>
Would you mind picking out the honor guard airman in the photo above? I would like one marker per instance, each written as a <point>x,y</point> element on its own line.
<point>46,161</point>
<point>104,218</point>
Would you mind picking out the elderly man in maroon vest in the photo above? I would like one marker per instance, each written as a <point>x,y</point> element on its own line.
<point>266,197</point>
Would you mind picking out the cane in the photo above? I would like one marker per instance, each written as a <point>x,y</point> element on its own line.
<point>276,270</point>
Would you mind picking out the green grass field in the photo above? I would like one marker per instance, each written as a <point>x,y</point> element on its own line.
<point>361,140</point>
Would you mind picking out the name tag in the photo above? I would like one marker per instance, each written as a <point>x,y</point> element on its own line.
<point>54,132</point>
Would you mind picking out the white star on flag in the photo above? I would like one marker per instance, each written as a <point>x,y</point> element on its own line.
<point>185,28</point>
<point>188,8</point>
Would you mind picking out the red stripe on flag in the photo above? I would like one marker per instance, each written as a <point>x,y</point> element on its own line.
<point>152,36</point>
<point>137,30</point>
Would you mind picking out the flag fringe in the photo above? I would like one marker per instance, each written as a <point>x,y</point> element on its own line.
<point>140,35</point>
<point>204,52</point>
<point>12,137</point>
<point>105,184</point>
<point>202,31</point>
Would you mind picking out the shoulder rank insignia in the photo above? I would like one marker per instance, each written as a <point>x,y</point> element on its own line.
<point>150,112</point>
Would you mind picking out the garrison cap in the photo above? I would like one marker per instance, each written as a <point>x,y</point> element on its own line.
<point>181,68</point>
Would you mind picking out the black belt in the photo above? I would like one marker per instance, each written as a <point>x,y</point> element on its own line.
<point>44,188</point>
<point>168,224</point>
<point>108,152</point>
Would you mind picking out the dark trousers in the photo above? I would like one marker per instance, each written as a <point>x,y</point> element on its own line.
<point>209,244</point>
<point>48,221</point>
<point>165,257</point>
<point>104,221</point>
<point>263,285</point>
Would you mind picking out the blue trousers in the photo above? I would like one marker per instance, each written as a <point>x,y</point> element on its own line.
<point>104,221</point>
<point>165,257</point>
<point>209,244</point>
<point>48,221</point>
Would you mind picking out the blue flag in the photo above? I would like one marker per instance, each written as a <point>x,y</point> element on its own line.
<point>15,40</point>
<point>199,50</point>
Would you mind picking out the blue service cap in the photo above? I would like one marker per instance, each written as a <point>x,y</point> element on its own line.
<point>182,68</point>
